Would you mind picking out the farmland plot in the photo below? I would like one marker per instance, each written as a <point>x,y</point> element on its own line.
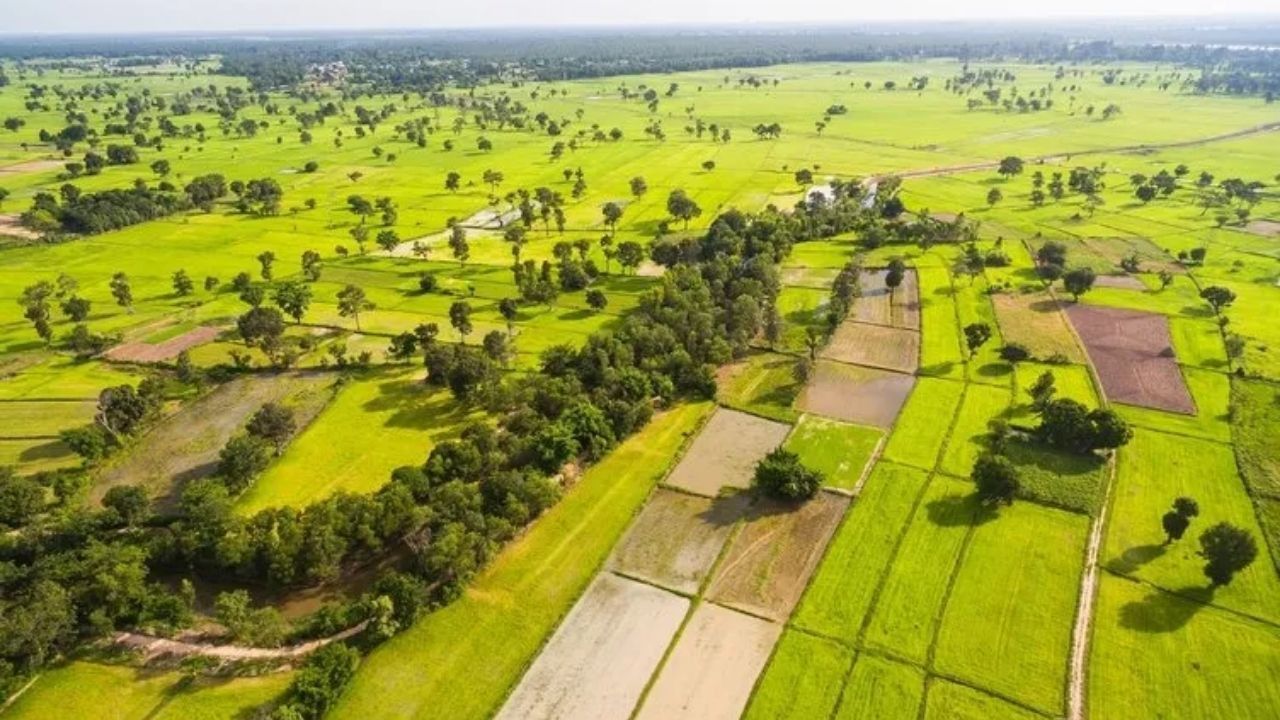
<point>725,453</point>
<point>855,394</point>
<point>877,346</point>
<point>676,538</point>
<point>840,451</point>
<point>1133,356</point>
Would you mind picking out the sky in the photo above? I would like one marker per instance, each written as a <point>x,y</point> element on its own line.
<point>135,16</point>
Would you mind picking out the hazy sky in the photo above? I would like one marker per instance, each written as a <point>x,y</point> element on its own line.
<point>113,16</point>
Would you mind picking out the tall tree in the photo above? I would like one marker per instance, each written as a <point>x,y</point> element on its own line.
<point>352,301</point>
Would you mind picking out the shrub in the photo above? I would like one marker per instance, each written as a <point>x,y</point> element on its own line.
<point>1015,352</point>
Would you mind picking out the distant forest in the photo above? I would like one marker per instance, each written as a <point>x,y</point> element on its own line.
<point>1236,57</point>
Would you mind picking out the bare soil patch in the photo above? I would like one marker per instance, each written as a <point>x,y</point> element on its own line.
<point>599,660</point>
<point>142,352</point>
<point>879,346</point>
<point>876,305</point>
<point>1036,321</point>
<point>770,561</point>
<point>676,538</point>
<point>725,453</point>
<point>1134,357</point>
<point>1122,282</point>
<point>184,446</point>
<point>30,166</point>
<point>12,226</point>
<point>856,394</point>
<point>1266,228</point>
<point>713,667</point>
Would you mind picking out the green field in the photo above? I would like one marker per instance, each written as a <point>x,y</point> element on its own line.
<point>838,450</point>
<point>803,679</point>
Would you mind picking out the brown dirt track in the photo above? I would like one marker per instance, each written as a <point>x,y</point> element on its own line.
<point>770,561</point>
<point>1133,355</point>
<point>725,453</point>
<point>676,538</point>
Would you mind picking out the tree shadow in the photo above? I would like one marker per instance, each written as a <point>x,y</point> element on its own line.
<point>575,315</point>
<point>1134,558</point>
<point>960,511</point>
<point>994,370</point>
<point>1162,612</point>
<point>942,368</point>
<point>726,510</point>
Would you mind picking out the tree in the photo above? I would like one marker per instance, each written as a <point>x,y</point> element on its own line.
<point>1227,550</point>
<point>1218,297</point>
<point>121,291</point>
<point>708,165</point>
<point>452,181</point>
<point>20,499</point>
<point>976,335</point>
<point>612,212</point>
<point>35,305</point>
<point>274,423</point>
<point>1176,521</point>
<point>460,318</point>
<point>994,196</point>
<point>1067,424</point>
<point>311,265</point>
<point>261,326</point>
<point>360,234</point>
<point>510,310</point>
<point>1078,281</point>
<point>242,459</point>
<point>496,345</point>
<point>76,308</point>
<point>388,240</point>
<point>781,475</point>
<point>266,259</point>
<point>458,244</point>
<point>894,275</point>
<point>160,167</point>
<point>630,255</point>
<point>293,298</point>
<point>352,301</point>
<point>638,187</point>
<point>596,299</point>
<point>1166,279</point>
<point>130,503</point>
<point>1042,390</point>
<point>182,283</point>
<point>1010,166</point>
<point>360,206</point>
<point>681,207</point>
<point>996,479</point>
<point>320,682</point>
<point>1015,353</point>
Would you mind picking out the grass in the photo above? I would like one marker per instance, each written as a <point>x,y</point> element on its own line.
<point>981,404</point>
<point>922,426</point>
<point>802,679</point>
<point>957,702</point>
<point>1255,425</point>
<point>507,613</point>
<point>761,384</point>
<point>1057,478</point>
<point>842,589</point>
<point>838,450</point>
<point>398,421</point>
<point>906,616</point>
<point>1070,381</point>
<point>1154,654</point>
<point>940,348</point>
<point>1016,641</point>
<point>880,689</point>
<point>81,689</point>
<point>1154,469</point>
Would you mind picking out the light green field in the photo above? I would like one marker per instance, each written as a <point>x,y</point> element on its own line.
<point>880,689</point>
<point>838,450</point>
<point>114,692</point>
<point>1154,469</point>
<point>1211,392</point>
<point>1255,425</point>
<point>940,342</point>
<point>762,384</point>
<point>512,607</point>
<point>1155,654</point>
<point>844,586</point>
<point>958,702</point>
<point>1015,641</point>
<point>922,425</point>
<point>982,403</point>
<point>379,420</point>
<point>802,680</point>
<point>909,608</point>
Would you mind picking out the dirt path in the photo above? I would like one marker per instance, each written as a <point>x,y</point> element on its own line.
<point>1083,630</point>
<point>152,646</point>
